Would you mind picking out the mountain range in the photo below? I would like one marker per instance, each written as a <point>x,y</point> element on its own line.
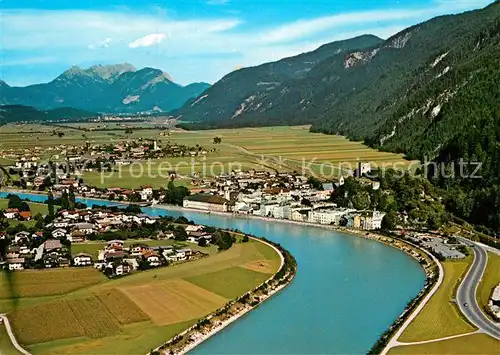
<point>431,91</point>
<point>105,88</point>
<point>395,93</point>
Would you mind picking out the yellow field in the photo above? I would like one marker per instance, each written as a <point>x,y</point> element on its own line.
<point>47,282</point>
<point>480,344</point>
<point>136,313</point>
<point>440,317</point>
<point>174,301</point>
<point>121,307</point>
<point>45,322</point>
<point>490,280</point>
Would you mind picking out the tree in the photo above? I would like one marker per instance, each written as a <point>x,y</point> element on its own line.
<point>180,234</point>
<point>71,199</point>
<point>50,205</point>
<point>40,223</point>
<point>390,221</point>
<point>64,200</point>
<point>315,183</point>
<point>202,242</point>
<point>217,140</point>
<point>361,200</point>
<point>306,202</point>
<point>245,239</point>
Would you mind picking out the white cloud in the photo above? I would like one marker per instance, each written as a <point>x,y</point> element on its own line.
<point>148,40</point>
<point>197,49</point>
<point>101,44</point>
<point>305,28</point>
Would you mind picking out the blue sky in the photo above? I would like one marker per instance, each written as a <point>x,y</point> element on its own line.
<point>192,40</point>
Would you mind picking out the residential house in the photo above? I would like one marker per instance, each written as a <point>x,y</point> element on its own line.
<point>194,237</point>
<point>152,258</point>
<point>15,263</point>
<point>82,259</point>
<point>194,228</point>
<point>22,237</point>
<point>52,245</point>
<point>86,228</point>
<point>59,233</point>
<point>76,236</point>
<point>11,213</point>
<point>25,215</point>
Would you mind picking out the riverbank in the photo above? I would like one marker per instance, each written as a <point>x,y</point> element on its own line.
<point>357,232</point>
<point>316,254</point>
<point>211,325</point>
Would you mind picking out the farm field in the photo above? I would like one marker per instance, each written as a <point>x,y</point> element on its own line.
<point>138,312</point>
<point>467,345</point>
<point>29,285</point>
<point>490,280</point>
<point>269,148</point>
<point>440,317</point>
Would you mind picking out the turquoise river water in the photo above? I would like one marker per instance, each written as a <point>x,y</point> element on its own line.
<point>348,290</point>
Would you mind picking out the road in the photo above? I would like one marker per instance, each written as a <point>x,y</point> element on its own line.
<point>19,348</point>
<point>466,293</point>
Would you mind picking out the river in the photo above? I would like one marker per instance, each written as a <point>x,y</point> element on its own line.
<point>348,290</point>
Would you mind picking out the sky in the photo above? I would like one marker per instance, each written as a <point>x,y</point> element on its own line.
<point>192,40</point>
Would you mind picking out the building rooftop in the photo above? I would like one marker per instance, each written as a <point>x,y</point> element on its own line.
<point>213,199</point>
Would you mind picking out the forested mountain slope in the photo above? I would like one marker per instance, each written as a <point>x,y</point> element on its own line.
<point>244,96</point>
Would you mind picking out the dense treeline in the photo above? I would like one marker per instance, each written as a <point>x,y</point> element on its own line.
<point>413,198</point>
<point>19,113</point>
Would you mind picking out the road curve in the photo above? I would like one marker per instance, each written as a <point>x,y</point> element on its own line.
<point>466,293</point>
<point>6,322</point>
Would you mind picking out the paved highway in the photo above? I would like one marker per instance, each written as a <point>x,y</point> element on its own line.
<point>466,295</point>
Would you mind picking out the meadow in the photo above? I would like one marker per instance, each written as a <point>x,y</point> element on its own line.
<point>35,209</point>
<point>475,344</point>
<point>441,317</point>
<point>135,313</point>
<point>281,149</point>
<point>490,280</point>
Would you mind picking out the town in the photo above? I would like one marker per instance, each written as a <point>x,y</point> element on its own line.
<point>123,236</point>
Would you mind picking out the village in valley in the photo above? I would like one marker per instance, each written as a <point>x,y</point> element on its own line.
<point>53,244</point>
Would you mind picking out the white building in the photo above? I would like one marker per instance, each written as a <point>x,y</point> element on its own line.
<point>207,203</point>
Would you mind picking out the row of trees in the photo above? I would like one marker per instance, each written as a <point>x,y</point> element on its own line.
<point>408,196</point>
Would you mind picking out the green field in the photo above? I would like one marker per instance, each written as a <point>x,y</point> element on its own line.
<point>35,208</point>
<point>6,347</point>
<point>490,280</point>
<point>440,317</point>
<point>229,283</point>
<point>480,344</point>
<point>136,313</point>
<point>290,149</point>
